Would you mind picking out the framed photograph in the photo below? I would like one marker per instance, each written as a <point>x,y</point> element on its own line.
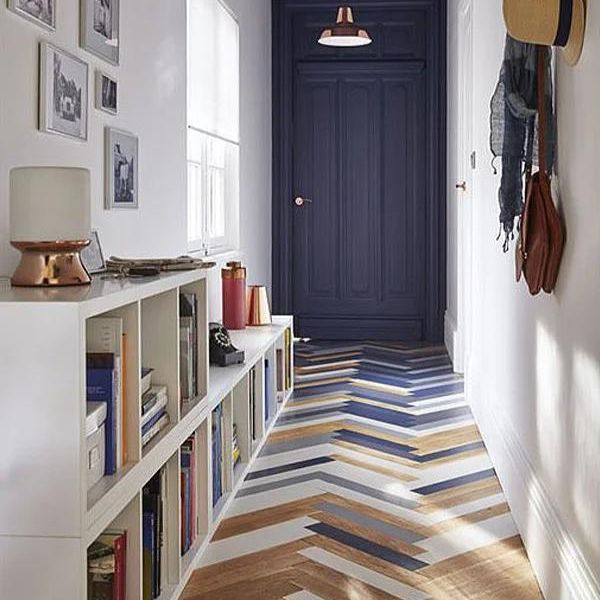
<point>41,12</point>
<point>121,161</point>
<point>100,28</point>
<point>92,257</point>
<point>106,93</point>
<point>63,93</point>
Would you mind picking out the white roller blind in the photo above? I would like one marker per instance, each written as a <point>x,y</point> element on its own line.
<point>213,69</point>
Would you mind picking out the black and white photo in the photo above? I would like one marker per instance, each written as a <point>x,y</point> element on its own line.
<point>63,93</point>
<point>106,93</point>
<point>121,169</point>
<point>42,12</point>
<point>92,256</point>
<point>100,28</point>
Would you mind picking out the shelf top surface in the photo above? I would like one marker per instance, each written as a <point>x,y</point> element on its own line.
<point>254,341</point>
<point>102,287</point>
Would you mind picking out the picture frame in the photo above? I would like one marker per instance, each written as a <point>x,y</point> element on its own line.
<point>107,93</point>
<point>40,12</point>
<point>63,96</point>
<point>92,256</point>
<point>122,167</point>
<point>99,28</point>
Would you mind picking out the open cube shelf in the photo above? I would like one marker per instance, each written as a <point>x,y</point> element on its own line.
<point>51,331</point>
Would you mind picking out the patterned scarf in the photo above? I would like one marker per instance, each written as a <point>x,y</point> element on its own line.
<point>514,127</point>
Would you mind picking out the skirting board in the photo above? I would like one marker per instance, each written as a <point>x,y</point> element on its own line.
<point>451,340</point>
<point>560,567</point>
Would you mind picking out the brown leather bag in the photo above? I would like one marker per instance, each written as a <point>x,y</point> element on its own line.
<point>541,236</point>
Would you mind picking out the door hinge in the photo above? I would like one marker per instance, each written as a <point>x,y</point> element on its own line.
<point>473,160</point>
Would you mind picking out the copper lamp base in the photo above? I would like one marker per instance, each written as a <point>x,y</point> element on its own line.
<point>50,264</point>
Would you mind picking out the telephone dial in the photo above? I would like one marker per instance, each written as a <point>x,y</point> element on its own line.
<point>222,352</point>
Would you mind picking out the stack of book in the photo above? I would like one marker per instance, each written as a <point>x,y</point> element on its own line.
<point>235,447</point>
<point>154,499</point>
<point>155,417</point>
<point>106,566</point>
<point>218,482</point>
<point>106,372</point>
<point>188,494</point>
<point>252,402</point>
<point>188,346</point>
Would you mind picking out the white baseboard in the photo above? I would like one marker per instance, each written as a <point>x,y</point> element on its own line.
<point>451,340</point>
<point>561,569</point>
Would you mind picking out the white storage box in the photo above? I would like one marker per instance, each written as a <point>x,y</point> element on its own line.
<point>95,442</point>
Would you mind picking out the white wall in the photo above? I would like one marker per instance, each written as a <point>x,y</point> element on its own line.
<point>534,376</point>
<point>152,105</point>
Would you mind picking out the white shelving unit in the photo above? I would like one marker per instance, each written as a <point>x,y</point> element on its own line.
<point>48,519</point>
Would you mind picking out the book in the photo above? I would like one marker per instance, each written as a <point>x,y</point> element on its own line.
<point>156,428</point>
<point>188,459</point>
<point>252,401</point>
<point>217,488</point>
<point>280,370</point>
<point>153,401</point>
<point>148,546</point>
<point>146,380</point>
<point>267,389</point>
<point>186,358</point>
<point>105,335</point>
<point>163,477</point>
<point>154,420</point>
<point>152,502</point>
<point>101,387</point>
<point>107,560</point>
<point>188,324</point>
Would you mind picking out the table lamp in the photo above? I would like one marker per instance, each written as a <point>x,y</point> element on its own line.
<point>50,225</point>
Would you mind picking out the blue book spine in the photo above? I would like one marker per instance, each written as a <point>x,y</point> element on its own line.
<point>101,388</point>
<point>267,389</point>
<point>149,546</point>
<point>147,426</point>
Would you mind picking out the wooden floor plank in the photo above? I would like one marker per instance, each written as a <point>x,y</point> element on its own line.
<point>350,546</point>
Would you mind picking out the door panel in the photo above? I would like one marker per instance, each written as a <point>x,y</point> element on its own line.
<point>359,151</point>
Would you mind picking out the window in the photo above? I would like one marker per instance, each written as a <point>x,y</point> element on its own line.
<point>213,127</point>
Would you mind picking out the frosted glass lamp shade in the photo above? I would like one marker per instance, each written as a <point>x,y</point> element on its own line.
<point>49,204</point>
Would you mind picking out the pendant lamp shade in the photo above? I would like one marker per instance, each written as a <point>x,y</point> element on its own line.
<point>345,33</point>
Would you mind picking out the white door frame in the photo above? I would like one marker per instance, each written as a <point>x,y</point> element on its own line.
<point>460,170</point>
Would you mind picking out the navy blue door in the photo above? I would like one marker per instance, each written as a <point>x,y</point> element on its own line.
<point>359,244</point>
<point>360,222</point>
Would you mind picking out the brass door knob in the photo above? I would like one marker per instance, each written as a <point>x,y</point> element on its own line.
<point>300,201</point>
<point>461,186</point>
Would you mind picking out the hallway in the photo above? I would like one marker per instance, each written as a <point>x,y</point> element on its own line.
<point>374,484</point>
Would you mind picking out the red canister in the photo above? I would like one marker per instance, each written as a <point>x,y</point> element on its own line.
<point>234,295</point>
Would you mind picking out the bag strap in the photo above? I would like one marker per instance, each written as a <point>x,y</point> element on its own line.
<point>541,97</point>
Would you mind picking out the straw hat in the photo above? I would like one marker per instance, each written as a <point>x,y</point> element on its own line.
<point>549,23</point>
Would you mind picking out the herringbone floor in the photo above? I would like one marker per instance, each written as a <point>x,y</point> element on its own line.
<point>375,484</point>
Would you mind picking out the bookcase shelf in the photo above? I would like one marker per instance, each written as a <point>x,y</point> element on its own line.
<point>45,332</point>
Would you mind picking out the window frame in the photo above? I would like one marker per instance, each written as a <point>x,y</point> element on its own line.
<point>231,180</point>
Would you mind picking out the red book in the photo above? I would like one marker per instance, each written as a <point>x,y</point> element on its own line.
<point>120,547</point>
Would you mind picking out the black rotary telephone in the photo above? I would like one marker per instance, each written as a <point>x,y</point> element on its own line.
<point>221,350</point>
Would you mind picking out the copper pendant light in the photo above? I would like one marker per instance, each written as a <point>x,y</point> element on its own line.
<point>345,33</point>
